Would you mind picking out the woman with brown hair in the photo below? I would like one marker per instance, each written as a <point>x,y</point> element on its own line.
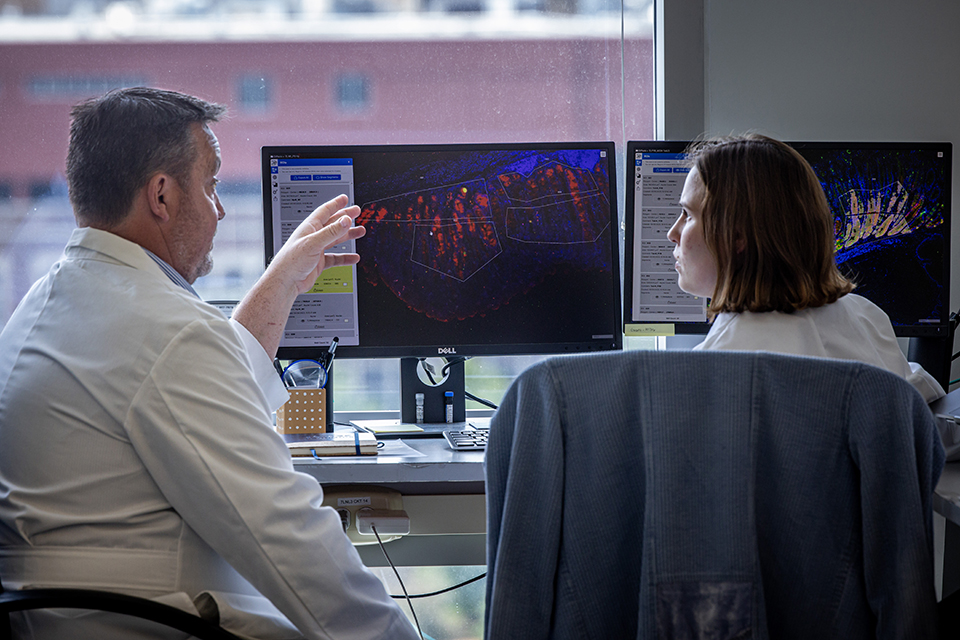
<point>756,237</point>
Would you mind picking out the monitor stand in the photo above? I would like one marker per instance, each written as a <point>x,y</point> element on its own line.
<point>434,406</point>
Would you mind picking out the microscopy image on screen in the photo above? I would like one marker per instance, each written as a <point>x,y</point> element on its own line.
<point>483,238</point>
<point>890,212</point>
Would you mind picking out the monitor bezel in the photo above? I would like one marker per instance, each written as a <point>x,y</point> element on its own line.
<point>940,329</point>
<point>457,349</point>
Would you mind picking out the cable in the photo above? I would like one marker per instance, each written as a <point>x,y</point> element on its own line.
<point>450,363</point>
<point>429,370</point>
<point>485,403</point>
<point>442,591</point>
<point>399,579</point>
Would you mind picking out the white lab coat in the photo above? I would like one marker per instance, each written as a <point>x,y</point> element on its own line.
<point>852,328</point>
<point>136,454</point>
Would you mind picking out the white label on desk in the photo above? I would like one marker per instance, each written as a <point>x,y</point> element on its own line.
<point>353,502</point>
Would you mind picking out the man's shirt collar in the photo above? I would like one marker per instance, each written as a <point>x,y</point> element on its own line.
<point>172,273</point>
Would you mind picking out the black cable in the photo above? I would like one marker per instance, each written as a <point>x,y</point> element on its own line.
<point>451,362</point>
<point>485,403</point>
<point>399,579</point>
<point>442,591</point>
<point>428,369</point>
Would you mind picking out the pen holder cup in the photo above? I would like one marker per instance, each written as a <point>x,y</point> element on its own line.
<point>304,412</point>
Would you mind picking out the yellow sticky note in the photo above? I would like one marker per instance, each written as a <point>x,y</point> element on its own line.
<point>649,329</point>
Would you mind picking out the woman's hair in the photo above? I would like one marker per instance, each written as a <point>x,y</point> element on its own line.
<point>767,222</point>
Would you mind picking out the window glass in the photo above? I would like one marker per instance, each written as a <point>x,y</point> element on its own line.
<point>313,72</point>
<point>454,614</point>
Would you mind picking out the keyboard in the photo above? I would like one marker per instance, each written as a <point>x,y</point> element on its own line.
<point>467,439</point>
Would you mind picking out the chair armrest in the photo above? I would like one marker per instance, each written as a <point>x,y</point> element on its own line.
<point>29,599</point>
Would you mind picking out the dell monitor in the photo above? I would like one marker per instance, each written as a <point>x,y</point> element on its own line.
<point>470,250</point>
<point>891,208</point>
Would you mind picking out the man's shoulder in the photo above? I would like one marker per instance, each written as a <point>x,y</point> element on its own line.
<point>114,302</point>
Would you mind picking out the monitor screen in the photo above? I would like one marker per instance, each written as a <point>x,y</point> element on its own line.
<point>492,249</point>
<point>891,208</point>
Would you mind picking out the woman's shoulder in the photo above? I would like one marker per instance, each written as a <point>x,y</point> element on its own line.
<point>766,331</point>
<point>853,308</point>
<point>853,301</point>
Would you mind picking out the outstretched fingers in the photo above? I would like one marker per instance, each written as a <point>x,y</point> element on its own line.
<point>322,215</point>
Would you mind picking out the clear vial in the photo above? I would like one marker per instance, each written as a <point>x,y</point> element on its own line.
<point>448,404</point>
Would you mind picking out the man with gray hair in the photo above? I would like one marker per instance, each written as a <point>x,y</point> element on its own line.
<point>136,449</point>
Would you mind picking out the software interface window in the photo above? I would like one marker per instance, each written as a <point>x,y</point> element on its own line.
<point>297,187</point>
<point>657,184</point>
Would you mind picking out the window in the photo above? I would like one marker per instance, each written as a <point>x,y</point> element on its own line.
<point>505,70</point>
<point>353,92</point>
<point>314,72</point>
<point>254,93</point>
<point>73,88</point>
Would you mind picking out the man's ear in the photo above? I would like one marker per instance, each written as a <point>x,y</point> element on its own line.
<point>161,196</point>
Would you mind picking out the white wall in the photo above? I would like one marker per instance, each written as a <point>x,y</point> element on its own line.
<point>833,69</point>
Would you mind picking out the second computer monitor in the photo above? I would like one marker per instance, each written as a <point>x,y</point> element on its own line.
<point>891,206</point>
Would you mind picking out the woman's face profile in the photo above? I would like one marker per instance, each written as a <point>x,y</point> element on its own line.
<point>696,266</point>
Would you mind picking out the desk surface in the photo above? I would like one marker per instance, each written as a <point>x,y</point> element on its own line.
<point>413,462</point>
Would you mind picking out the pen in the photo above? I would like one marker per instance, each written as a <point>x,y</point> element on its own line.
<point>358,427</point>
<point>332,351</point>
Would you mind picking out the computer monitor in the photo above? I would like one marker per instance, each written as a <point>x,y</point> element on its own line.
<point>470,250</point>
<point>891,204</point>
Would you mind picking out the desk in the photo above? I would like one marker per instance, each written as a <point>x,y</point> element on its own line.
<point>946,502</point>
<point>444,497</point>
<point>442,493</point>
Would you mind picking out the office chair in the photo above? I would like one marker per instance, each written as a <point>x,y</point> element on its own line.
<point>29,599</point>
<point>710,495</point>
